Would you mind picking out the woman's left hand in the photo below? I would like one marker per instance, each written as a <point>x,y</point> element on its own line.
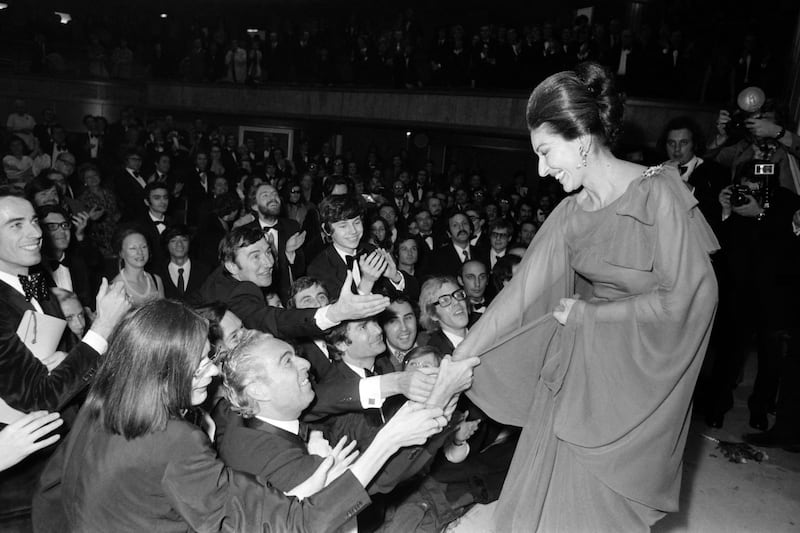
<point>561,312</point>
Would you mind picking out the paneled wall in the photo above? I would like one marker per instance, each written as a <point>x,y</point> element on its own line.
<point>498,115</point>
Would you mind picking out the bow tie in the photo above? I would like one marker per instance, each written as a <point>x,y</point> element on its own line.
<point>478,306</point>
<point>55,263</point>
<point>349,259</point>
<point>61,147</point>
<point>682,169</point>
<point>160,223</point>
<point>34,287</point>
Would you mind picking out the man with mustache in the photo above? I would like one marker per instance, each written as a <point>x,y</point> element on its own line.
<point>447,260</point>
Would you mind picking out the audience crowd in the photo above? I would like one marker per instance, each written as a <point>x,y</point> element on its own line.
<point>707,56</point>
<point>300,312</point>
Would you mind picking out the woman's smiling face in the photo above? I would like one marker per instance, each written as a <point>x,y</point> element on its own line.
<point>558,157</point>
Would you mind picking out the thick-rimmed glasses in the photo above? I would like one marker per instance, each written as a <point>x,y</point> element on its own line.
<point>53,226</point>
<point>446,299</point>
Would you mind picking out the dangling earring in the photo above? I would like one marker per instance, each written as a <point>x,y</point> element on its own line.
<point>582,151</point>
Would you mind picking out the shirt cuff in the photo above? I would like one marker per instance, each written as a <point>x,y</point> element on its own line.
<point>322,320</point>
<point>401,285</point>
<point>369,392</point>
<point>456,454</point>
<point>96,342</point>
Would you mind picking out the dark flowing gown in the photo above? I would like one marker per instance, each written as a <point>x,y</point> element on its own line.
<point>605,399</point>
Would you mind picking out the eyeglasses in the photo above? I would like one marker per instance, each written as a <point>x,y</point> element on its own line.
<point>446,299</point>
<point>498,235</point>
<point>53,226</point>
<point>421,364</point>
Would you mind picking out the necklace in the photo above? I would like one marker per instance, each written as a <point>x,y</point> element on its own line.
<point>134,292</point>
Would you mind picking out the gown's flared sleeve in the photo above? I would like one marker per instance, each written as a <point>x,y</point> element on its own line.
<point>517,331</point>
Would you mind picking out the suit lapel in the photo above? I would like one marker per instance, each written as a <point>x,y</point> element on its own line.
<point>11,297</point>
<point>260,425</point>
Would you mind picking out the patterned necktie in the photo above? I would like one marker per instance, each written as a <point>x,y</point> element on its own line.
<point>465,253</point>
<point>34,287</point>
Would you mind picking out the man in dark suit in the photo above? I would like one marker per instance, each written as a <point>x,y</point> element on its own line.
<point>336,396</point>
<point>447,259</point>
<point>359,345</point>
<point>180,274</point>
<point>155,222</point>
<point>66,259</point>
<point>164,173</point>
<point>129,185</point>
<point>474,278</point>
<point>284,236</point>
<point>267,438</point>
<point>26,383</point>
<point>199,189</point>
<point>342,221</point>
<point>211,231</point>
<point>246,269</point>
<point>683,143</point>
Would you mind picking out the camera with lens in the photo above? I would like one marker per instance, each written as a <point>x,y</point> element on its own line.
<point>760,172</point>
<point>739,194</point>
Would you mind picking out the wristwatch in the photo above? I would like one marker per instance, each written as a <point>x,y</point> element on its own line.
<point>780,134</point>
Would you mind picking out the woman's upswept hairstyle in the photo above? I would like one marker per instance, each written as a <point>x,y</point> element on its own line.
<point>583,101</point>
<point>146,377</point>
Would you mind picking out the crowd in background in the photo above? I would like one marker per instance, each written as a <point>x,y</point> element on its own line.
<point>708,56</point>
<point>288,243</point>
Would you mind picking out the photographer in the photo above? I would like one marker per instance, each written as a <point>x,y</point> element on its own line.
<point>757,235</point>
<point>755,131</point>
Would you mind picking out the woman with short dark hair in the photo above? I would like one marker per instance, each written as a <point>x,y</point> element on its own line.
<point>131,463</point>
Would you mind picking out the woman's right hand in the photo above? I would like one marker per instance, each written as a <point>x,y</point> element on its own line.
<point>21,438</point>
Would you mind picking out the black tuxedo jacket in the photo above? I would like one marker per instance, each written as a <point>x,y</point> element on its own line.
<point>198,199</point>
<point>130,195</point>
<point>205,244</point>
<point>84,280</point>
<point>708,180</point>
<point>285,273</point>
<point>365,424</point>
<point>445,261</point>
<point>150,230</point>
<point>256,447</point>
<point>26,385</point>
<point>197,276</point>
<point>331,270</point>
<point>246,300</point>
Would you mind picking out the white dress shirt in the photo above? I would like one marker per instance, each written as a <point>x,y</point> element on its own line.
<point>172,268</point>
<point>62,276</point>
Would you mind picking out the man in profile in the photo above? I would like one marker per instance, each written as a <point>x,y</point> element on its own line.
<point>246,268</point>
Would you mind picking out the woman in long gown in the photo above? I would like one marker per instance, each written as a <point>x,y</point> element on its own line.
<point>601,382</point>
